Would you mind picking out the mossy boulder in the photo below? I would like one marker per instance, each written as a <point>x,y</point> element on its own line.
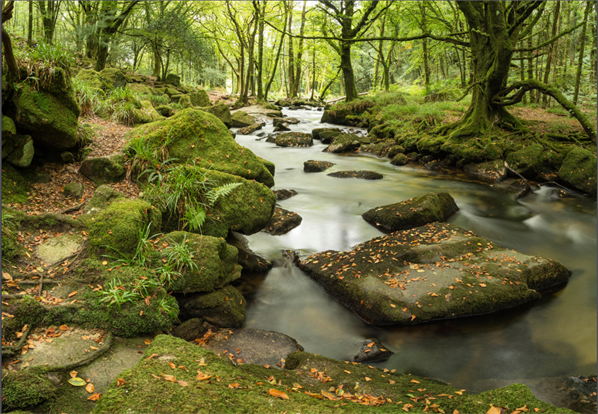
<point>49,116</point>
<point>21,389</point>
<point>216,263</point>
<point>116,78</point>
<point>283,221</point>
<point>489,171</point>
<point>527,161</point>
<point>242,119</point>
<point>399,159</point>
<point>383,392</point>
<point>185,101</point>
<point>173,79</point>
<point>433,272</point>
<point>14,185</point>
<point>8,128</point>
<point>317,131</point>
<point>146,113</point>
<point>196,135</point>
<point>414,212</point>
<point>224,307</point>
<point>103,170</point>
<point>294,139</point>
<point>116,229</point>
<point>316,166</point>
<point>171,91</point>
<point>380,148</point>
<point>364,175</point>
<point>247,209</point>
<point>74,190</point>
<point>95,79</point>
<point>348,113</point>
<point>222,112</point>
<point>579,170</point>
<point>200,98</point>
<point>326,135</point>
<point>251,128</point>
<point>164,110</point>
<point>269,165</point>
<point>102,197</point>
<point>18,150</point>
<point>140,88</point>
<point>345,143</point>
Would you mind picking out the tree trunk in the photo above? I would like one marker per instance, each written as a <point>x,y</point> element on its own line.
<point>8,54</point>
<point>581,51</point>
<point>274,68</point>
<point>260,52</point>
<point>425,47</point>
<point>551,47</point>
<point>291,58</point>
<point>30,26</point>
<point>297,77</point>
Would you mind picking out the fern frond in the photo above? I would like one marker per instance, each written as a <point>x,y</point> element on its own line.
<point>215,193</point>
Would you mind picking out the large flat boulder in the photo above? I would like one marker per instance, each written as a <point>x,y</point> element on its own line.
<point>294,139</point>
<point>195,135</point>
<point>414,212</point>
<point>437,271</point>
<point>345,143</point>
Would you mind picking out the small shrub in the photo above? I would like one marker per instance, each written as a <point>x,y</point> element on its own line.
<point>88,97</point>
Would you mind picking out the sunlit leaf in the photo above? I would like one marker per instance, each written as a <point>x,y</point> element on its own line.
<point>90,388</point>
<point>278,394</point>
<point>77,382</point>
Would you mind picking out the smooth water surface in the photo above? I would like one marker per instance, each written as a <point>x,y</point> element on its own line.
<point>555,336</point>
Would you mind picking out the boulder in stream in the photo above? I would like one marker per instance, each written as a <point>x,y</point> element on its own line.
<point>251,128</point>
<point>316,166</point>
<point>414,212</point>
<point>346,143</point>
<point>241,119</point>
<point>294,139</point>
<point>366,175</point>
<point>316,132</point>
<point>224,308</point>
<point>284,194</point>
<point>370,350</point>
<point>489,171</point>
<point>437,271</point>
<point>282,222</point>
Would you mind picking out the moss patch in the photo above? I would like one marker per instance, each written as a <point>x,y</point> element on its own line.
<point>14,186</point>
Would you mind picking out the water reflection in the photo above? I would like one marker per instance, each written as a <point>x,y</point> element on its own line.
<point>553,336</point>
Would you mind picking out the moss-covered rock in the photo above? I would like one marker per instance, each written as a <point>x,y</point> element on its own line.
<point>327,134</point>
<point>216,263</point>
<point>14,186</point>
<point>222,112</point>
<point>140,88</point>
<point>399,159</point>
<point>25,389</point>
<point>242,119</point>
<point>146,113</point>
<point>489,171</point>
<point>317,131</point>
<point>380,148</point>
<point>200,98</point>
<point>348,113</point>
<point>414,212</point>
<point>49,116</point>
<point>164,110</point>
<point>294,139</point>
<point>346,142</point>
<point>19,149</point>
<point>102,170</point>
<point>8,127</point>
<point>224,307</point>
<point>116,229</point>
<point>193,134</point>
<point>251,128</point>
<point>269,165</point>
<point>95,79</point>
<point>283,221</point>
<point>527,161</point>
<point>173,79</point>
<point>115,77</point>
<point>433,272</point>
<point>102,197</point>
<point>247,209</point>
<point>382,392</point>
<point>316,166</point>
<point>364,175</point>
<point>579,170</point>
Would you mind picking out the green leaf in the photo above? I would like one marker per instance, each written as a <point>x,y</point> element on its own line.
<point>77,382</point>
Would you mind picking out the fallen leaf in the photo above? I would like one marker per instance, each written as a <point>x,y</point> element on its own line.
<point>172,366</point>
<point>234,385</point>
<point>368,379</point>
<point>182,383</point>
<point>119,382</point>
<point>348,372</point>
<point>94,348</point>
<point>90,388</point>
<point>77,382</point>
<point>7,276</point>
<point>73,374</point>
<point>371,344</point>
<point>147,341</point>
<point>170,378</point>
<point>494,410</point>
<point>72,294</point>
<point>64,328</point>
<point>482,285</point>
<point>278,394</point>
<point>95,397</point>
<point>104,263</point>
<point>415,381</point>
<point>151,356</point>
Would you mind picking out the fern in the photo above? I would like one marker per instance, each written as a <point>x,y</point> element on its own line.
<point>215,193</point>
<point>42,101</point>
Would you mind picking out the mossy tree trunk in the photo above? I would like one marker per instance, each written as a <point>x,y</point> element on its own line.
<point>113,22</point>
<point>8,54</point>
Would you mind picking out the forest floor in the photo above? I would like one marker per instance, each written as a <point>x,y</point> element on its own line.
<point>49,197</point>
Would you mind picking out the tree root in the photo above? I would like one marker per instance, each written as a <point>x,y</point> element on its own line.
<point>84,361</point>
<point>9,351</point>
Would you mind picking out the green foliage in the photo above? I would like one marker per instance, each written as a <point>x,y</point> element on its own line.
<point>42,101</point>
<point>156,100</point>
<point>116,294</point>
<point>213,194</point>
<point>120,105</point>
<point>87,96</point>
<point>41,60</point>
<point>141,255</point>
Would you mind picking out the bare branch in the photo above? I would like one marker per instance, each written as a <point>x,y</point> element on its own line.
<point>546,43</point>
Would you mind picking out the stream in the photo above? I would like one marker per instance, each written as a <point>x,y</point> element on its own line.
<point>554,336</point>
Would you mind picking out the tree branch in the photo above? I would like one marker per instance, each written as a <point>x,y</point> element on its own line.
<point>554,39</point>
<point>529,8</point>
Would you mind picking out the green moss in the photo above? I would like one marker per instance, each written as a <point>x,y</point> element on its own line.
<point>67,399</point>
<point>216,263</point>
<point>222,112</point>
<point>26,311</point>
<point>269,165</point>
<point>200,98</point>
<point>430,144</point>
<point>15,188</point>
<point>193,134</point>
<point>94,79</point>
<point>242,119</point>
<point>527,160</point>
<point>579,170</point>
<point>24,389</point>
<point>146,113</point>
<point>224,307</point>
<point>116,229</point>
<point>140,389</point>
<point>8,126</point>
<point>43,115</point>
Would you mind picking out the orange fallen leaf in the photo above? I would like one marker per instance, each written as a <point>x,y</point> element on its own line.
<point>371,344</point>
<point>90,388</point>
<point>392,382</point>
<point>348,372</point>
<point>94,348</point>
<point>147,341</point>
<point>412,317</point>
<point>368,379</point>
<point>494,410</point>
<point>393,305</point>
<point>482,285</point>
<point>182,383</point>
<point>120,381</point>
<point>64,328</point>
<point>140,313</point>
<point>170,378</point>
<point>72,294</point>
<point>172,366</point>
<point>278,394</point>
<point>266,366</point>
<point>73,374</point>
<point>415,381</point>
<point>234,385</point>
<point>95,397</point>
<point>151,356</point>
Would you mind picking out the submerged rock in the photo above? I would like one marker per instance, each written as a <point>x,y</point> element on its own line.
<point>414,212</point>
<point>294,139</point>
<point>366,175</point>
<point>371,350</point>
<point>282,222</point>
<point>437,271</point>
<point>489,171</point>
<point>284,194</point>
<point>316,166</point>
<point>520,188</point>
<point>253,346</point>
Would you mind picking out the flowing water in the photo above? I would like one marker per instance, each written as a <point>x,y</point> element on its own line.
<point>555,336</point>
